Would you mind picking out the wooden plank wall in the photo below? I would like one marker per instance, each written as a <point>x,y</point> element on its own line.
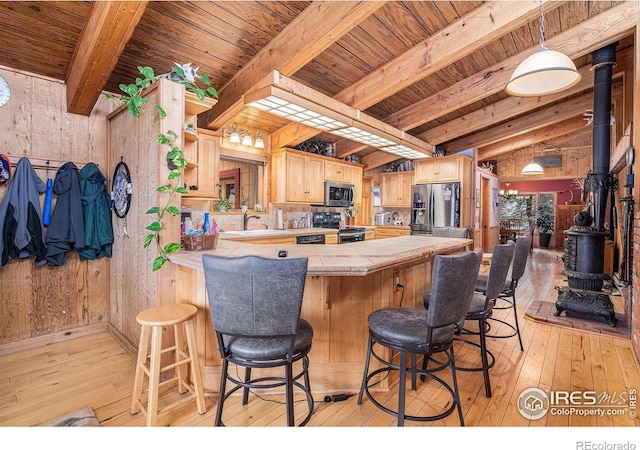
<point>575,164</point>
<point>36,302</point>
<point>134,286</point>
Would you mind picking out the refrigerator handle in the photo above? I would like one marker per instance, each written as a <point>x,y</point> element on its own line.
<point>430,212</point>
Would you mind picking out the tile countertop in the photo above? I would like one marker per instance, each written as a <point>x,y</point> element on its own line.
<point>352,259</point>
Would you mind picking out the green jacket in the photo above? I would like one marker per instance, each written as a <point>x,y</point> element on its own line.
<point>96,207</point>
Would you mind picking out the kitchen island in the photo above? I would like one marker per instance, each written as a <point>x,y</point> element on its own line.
<point>344,284</point>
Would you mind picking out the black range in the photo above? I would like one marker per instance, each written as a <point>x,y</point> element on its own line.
<point>332,220</point>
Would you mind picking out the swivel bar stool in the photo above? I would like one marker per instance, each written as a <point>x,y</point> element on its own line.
<point>508,294</point>
<point>255,306</point>
<point>418,332</point>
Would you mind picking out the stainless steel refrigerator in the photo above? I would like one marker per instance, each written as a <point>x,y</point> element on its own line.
<point>434,205</point>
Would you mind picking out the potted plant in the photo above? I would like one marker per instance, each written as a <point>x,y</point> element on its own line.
<point>244,203</point>
<point>222,205</point>
<point>544,223</point>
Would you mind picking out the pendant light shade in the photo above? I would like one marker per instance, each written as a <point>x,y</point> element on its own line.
<point>545,72</point>
<point>533,168</point>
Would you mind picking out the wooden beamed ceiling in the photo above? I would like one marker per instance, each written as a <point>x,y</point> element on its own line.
<point>436,69</point>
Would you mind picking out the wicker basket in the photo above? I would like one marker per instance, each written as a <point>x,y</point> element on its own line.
<point>201,242</point>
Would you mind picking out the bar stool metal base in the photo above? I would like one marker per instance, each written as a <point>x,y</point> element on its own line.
<point>412,370</point>
<point>267,382</point>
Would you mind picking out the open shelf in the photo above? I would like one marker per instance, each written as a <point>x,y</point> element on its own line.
<point>193,105</point>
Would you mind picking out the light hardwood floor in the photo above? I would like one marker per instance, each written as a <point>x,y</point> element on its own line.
<point>41,384</point>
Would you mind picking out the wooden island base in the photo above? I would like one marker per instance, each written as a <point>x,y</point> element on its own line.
<point>337,307</point>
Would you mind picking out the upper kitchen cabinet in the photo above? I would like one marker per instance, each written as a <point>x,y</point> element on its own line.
<point>297,177</point>
<point>395,189</point>
<point>337,171</point>
<point>441,170</point>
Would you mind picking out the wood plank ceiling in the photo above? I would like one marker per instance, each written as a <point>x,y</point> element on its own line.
<point>436,69</point>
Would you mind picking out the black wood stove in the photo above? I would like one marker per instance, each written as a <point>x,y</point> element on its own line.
<point>585,241</point>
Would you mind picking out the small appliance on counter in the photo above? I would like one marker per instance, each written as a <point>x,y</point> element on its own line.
<point>383,218</point>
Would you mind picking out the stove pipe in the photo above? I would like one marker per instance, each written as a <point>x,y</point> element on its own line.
<point>603,62</point>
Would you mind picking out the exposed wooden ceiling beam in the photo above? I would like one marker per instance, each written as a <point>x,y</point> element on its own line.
<point>571,125</point>
<point>319,26</point>
<point>461,38</point>
<point>555,128</point>
<point>523,124</point>
<point>106,31</point>
<point>515,106</point>
<point>608,26</point>
<point>377,159</point>
<point>501,111</point>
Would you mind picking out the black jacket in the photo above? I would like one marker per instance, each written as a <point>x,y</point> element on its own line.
<point>66,229</point>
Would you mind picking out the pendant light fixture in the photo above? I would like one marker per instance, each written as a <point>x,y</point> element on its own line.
<point>533,168</point>
<point>545,72</point>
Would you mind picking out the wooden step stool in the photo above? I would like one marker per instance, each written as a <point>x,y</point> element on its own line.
<point>152,320</point>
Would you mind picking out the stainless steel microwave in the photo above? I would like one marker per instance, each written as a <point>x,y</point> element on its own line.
<point>338,194</point>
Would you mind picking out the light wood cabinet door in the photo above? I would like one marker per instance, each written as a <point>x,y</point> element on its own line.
<point>295,178</point>
<point>437,170</point>
<point>356,180</point>
<point>304,179</point>
<point>396,189</point>
<point>337,171</point>
<point>208,156</point>
<point>315,180</point>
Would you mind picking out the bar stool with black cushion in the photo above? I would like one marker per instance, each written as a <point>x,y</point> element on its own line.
<point>507,297</point>
<point>152,321</point>
<point>482,304</point>
<point>414,332</point>
<point>255,306</point>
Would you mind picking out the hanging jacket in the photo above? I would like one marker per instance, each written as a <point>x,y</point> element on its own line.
<point>66,229</point>
<point>21,226</point>
<point>96,209</point>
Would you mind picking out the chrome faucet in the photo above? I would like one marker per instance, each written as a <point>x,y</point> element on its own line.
<point>246,220</point>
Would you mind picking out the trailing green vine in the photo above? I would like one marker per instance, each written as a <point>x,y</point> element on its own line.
<point>137,106</point>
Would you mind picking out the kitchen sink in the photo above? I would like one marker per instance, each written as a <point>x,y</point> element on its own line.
<point>256,232</point>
